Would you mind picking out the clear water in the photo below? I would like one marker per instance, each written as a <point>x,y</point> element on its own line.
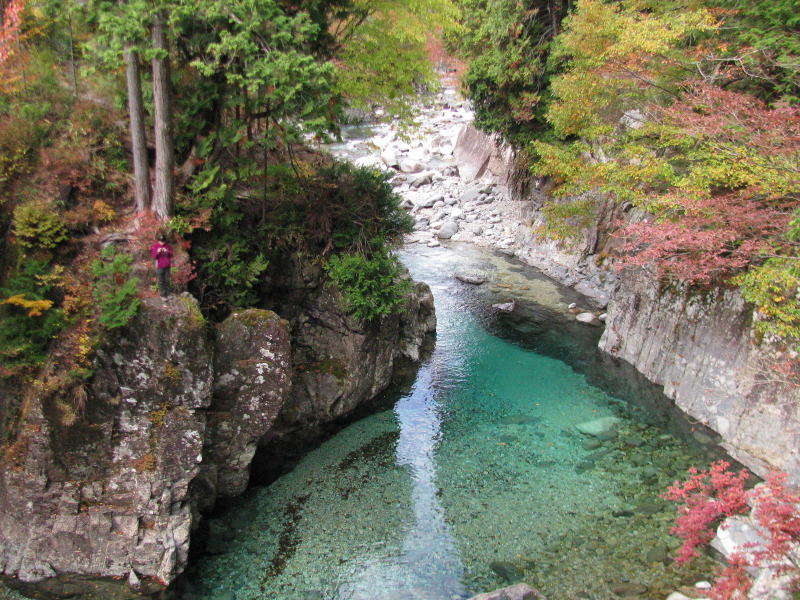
<point>477,477</point>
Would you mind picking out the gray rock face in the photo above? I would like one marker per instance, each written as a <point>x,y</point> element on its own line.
<point>340,363</point>
<point>252,380</point>
<point>107,493</point>
<point>472,152</point>
<point>521,591</point>
<point>172,421</point>
<point>699,347</point>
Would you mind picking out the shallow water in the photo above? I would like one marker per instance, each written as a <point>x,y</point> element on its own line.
<point>477,477</point>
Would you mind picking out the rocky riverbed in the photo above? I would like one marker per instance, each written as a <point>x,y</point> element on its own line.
<point>453,180</point>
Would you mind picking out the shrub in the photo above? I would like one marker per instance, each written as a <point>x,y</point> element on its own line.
<point>710,496</point>
<point>29,316</point>
<point>371,287</point>
<point>314,209</point>
<point>114,291</point>
<point>38,226</point>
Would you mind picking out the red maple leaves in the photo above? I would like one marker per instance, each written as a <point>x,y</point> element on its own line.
<point>9,28</point>
<point>738,183</point>
<point>708,497</point>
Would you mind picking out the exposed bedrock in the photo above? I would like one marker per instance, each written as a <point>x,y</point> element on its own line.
<point>106,493</point>
<point>100,497</point>
<point>700,346</point>
<point>339,363</point>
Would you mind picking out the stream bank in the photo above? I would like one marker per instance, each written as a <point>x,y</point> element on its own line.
<point>105,506</point>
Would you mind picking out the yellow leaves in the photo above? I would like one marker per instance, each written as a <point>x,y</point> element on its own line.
<point>103,212</point>
<point>35,308</point>
<point>618,52</point>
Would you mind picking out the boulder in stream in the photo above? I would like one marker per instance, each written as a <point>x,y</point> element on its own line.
<point>409,165</point>
<point>588,318</point>
<point>448,230</point>
<point>521,591</point>
<point>472,277</point>
<point>505,306</point>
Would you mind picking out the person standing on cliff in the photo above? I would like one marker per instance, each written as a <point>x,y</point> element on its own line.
<point>161,252</point>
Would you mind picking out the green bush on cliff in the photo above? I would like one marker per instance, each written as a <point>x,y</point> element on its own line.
<point>114,290</point>
<point>38,226</point>
<point>29,316</point>
<point>321,209</point>
<point>371,286</point>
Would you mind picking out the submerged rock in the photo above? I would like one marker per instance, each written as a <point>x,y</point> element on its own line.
<point>598,427</point>
<point>507,570</point>
<point>521,591</point>
<point>629,589</point>
<point>472,277</point>
<point>588,318</point>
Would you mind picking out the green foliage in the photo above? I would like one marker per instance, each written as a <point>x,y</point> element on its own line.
<point>508,43</point>
<point>764,46</point>
<point>29,317</point>
<point>230,272</point>
<point>381,51</point>
<point>617,56</point>
<point>38,226</point>
<point>333,207</point>
<point>372,286</point>
<point>773,289</point>
<point>266,58</point>
<point>114,290</point>
<point>568,219</point>
<point>30,115</point>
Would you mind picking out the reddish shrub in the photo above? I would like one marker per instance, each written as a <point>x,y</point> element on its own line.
<point>708,497</point>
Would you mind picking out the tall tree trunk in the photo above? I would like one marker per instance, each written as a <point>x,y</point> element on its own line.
<point>162,104</point>
<point>554,8</point>
<point>141,175</point>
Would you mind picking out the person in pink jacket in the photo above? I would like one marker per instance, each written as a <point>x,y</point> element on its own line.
<point>161,252</point>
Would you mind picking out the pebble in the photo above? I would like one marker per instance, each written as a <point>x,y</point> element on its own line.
<point>703,585</point>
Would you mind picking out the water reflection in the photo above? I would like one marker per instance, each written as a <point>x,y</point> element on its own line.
<point>429,566</point>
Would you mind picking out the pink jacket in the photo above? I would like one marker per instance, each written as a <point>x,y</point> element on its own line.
<point>162,253</point>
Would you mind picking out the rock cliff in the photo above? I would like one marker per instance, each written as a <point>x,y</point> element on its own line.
<point>701,348</point>
<point>101,497</point>
<point>339,363</point>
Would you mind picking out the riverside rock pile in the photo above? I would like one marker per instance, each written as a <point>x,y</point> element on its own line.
<point>450,197</point>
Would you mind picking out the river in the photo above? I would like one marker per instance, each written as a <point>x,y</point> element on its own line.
<point>476,476</point>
